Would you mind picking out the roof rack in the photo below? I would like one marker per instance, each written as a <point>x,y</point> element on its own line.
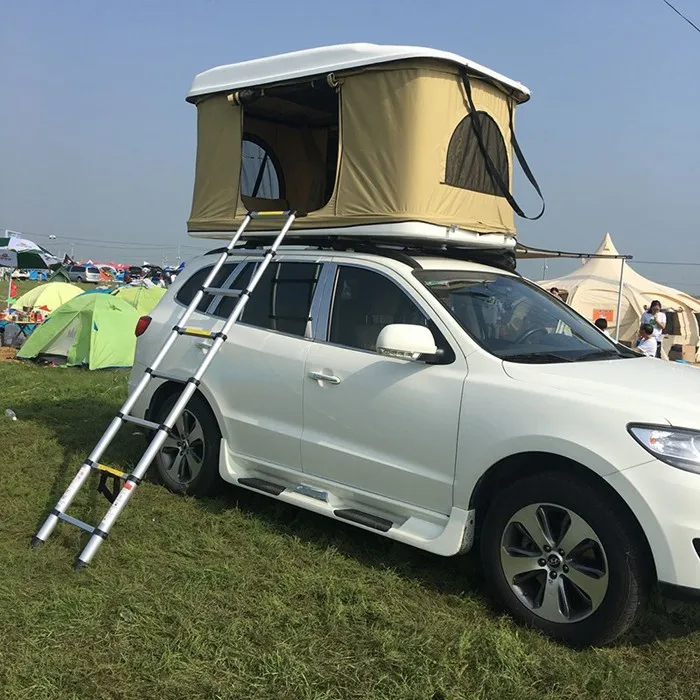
<point>405,252</point>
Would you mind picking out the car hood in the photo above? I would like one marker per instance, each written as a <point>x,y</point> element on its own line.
<point>672,388</point>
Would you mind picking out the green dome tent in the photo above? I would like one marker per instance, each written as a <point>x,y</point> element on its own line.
<point>93,330</point>
<point>143,299</point>
<point>51,295</point>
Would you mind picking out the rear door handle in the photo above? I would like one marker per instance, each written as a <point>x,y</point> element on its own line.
<point>323,377</point>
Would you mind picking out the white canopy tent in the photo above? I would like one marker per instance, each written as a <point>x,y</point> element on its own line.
<point>606,286</point>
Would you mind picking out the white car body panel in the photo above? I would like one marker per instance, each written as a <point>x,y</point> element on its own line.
<point>366,431</point>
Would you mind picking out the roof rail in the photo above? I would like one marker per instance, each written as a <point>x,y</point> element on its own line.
<point>404,252</point>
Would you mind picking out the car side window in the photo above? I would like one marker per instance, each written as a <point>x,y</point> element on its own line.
<point>282,298</point>
<point>363,303</point>
<point>186,293</point>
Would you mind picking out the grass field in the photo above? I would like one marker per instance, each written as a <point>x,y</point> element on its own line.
<point>243,597</point>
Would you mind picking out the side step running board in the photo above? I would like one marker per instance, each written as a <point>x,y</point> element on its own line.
<point>366,519</point>
<point>262,485</point>
<point>356,516</point>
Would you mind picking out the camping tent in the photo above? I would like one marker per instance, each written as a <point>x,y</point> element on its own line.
<point>50,295</point>
<point>143,299</point>
<point>355,135</point>
<point>58,275</point>
<point>94,330</point>
<point>592,290</point>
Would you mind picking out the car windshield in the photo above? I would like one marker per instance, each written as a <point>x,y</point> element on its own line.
<point>517,321</point>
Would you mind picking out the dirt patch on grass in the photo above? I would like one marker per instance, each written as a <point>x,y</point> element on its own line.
<point>8,355</point>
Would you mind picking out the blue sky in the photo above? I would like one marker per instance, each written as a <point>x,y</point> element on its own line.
<point>97,142</point>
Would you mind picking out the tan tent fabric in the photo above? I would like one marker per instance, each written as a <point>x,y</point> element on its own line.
<point>396,121</point>
<point>218,164</point>
<point>593,291</point>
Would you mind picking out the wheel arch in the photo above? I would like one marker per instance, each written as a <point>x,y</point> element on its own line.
<point>528,464</point>
<point>168,389</point>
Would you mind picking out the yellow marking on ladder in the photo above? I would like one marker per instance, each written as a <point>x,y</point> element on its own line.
<point>111,470</point>
<point>198,331</point>
<point>271,213</point>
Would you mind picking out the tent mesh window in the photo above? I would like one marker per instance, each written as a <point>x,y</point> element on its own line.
<point>673,323</point>
<point>290,147</point>
<point>261,173</point>
<point>465,166</point>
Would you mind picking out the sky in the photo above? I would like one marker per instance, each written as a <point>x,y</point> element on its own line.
<point>97,143</point>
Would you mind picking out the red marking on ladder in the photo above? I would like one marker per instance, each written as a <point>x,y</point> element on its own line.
<point>128,486</point>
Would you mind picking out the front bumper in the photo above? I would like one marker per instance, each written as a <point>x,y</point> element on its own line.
<point>666,502</point>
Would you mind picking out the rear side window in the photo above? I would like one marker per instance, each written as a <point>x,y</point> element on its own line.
<point>281,300</point>
<point>93,270</point>
<point>186,293</point>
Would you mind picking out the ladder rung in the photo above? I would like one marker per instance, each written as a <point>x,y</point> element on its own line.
<point>110,470</point>
<point>254,214</point>
<point>75,521</point>
<point>140,421</point>
<point>171,377</point>
<point>199,332</point>
<point>221,292</point>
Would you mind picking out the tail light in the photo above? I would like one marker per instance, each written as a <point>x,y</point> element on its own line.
<point>143,323</point>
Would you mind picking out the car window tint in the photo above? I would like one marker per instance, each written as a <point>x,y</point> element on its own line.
<point>186,293</point>
<point>225,307</point>
<point>363,303</point>
<point>282,298</point>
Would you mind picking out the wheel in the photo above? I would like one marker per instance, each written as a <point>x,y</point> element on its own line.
<point>562,558</point>
<point>78,279</point>
<point>189,460</point>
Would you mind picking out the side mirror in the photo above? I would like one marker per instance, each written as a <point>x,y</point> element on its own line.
<point>406,342</point>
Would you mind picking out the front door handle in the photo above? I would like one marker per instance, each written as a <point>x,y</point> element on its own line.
<point>323,377</point>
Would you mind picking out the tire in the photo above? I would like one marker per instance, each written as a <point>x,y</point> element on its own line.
<point>606,559</point>
<point>78,279</point>
<point>196,471</point>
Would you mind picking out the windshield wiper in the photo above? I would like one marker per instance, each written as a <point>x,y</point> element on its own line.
<point>536,357</point>
<point>598,355</point>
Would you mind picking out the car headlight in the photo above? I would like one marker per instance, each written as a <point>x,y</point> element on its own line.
<point>678,447</point>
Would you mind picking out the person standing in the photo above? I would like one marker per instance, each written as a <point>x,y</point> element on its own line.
<point>646,342</point>
<point>656,318</point>
<point>602,324</point>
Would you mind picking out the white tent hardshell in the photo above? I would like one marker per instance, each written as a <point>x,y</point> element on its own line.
<point>593,291</point>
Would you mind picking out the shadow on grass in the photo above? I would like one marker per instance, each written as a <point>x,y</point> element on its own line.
<point>78,425</point>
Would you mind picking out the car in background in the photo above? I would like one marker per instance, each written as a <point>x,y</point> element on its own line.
<point>83,273</point>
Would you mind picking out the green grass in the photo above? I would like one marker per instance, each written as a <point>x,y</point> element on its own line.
<point>243,597</point>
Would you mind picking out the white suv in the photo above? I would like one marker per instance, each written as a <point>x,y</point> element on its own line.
<point>443,404</point>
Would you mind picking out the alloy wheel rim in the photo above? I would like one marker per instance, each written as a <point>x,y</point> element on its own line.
<point>554,563</point>
<point>182,454</point>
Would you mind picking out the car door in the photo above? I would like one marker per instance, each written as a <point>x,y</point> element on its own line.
<point>259,371</point>
<point>381,425</point>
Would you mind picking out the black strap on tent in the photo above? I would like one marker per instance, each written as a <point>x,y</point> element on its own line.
<point>492,170</point>
<point>261,172</point>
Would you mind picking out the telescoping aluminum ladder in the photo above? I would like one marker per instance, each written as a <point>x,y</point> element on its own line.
<point>162,430</point>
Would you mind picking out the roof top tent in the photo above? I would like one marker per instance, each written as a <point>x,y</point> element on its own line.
<point>378,142</point>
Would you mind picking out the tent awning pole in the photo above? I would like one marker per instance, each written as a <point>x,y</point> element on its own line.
<point>619,301</point>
